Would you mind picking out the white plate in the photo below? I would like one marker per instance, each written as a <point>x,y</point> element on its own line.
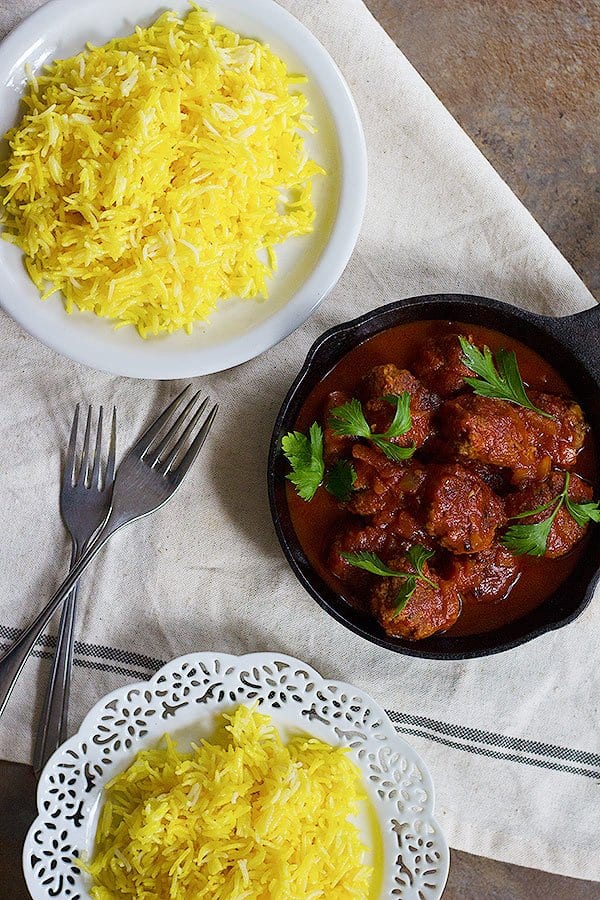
<point>184,698</point>
<point>309,266</point>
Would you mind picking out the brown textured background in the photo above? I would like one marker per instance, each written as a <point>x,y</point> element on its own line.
<point>523,78</point>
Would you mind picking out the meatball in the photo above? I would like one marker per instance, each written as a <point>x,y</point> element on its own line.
<point>562,436</point>
<point>439,364</point>
<point>354,539</point>
<point>380,482</point>
<point>429,609</point>
<point>404,523</point>
<point>334,445</point>
<point>440,450</point>
<point>388,379</point>
<point>496,478</point>
<point>460,510</point>
<point>491,432</point>
<point>565,531</point>
<point>409,474</point>
<point>500,433</point>
<point>485,577</point>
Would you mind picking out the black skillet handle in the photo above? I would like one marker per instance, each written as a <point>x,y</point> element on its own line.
<point>581,333</point>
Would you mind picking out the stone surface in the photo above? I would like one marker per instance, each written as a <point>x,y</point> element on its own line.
<point>523,80</point>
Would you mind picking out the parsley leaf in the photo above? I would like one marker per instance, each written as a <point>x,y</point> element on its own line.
<point>417,555</point>
<point>582,512</point>
<point>349,420</point>
<point>528,539</point>
<point>498,379</point>
<point>402,421</point>
<point>370,562</point>
<point>305,455</point>
<point>533,539</point>
<point>406,591</point>
<point>393,451</point>
<point>340,480</point>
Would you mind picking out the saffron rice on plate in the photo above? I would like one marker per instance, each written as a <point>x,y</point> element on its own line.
<point>243,816</point>
<point>152,177</point>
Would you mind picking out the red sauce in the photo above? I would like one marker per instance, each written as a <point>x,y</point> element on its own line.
<point>316,522</point>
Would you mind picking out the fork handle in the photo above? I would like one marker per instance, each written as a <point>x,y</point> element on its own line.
<point>11,664</point>
<point>53,724</point>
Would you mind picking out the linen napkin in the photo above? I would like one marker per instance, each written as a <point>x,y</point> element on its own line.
<point>511,740</point>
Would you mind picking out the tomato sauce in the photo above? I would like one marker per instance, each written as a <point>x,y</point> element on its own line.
<point>317,521</point>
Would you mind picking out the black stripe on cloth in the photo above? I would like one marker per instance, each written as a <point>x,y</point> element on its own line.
<point>510,757</point>
<point>494,739</point>
<point>89,664</point>
<point>98,650</point>
<point>400,720</point>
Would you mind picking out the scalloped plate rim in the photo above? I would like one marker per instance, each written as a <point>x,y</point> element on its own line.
<point>249,659</point>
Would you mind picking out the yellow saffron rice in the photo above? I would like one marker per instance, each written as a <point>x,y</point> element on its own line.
<point>152,177</point>
<point>243,817</point>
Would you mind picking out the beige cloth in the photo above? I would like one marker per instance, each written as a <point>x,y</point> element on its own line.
<point>510,739</point>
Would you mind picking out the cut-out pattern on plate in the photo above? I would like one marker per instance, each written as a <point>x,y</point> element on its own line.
<point>185,697</point>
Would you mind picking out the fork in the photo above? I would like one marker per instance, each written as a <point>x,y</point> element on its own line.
<point>147,478</point>
<point>85,497</point>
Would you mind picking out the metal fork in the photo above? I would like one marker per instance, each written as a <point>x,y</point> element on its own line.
<point>85,496</point>
<point>148,476</point>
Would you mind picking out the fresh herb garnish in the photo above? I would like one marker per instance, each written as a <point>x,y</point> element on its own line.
<point>305,455</point>
<point>402,420</point>
<point>582,512</point>
<point>340,480</point>
<point>349,420</point>
<point>417,556</point>
<point>370,562</point>
<point>533,539</point>
<point>529,540</point>
<point>499,377</point>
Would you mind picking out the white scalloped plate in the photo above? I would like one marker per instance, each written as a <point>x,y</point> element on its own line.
<point>184,698</point>
<point>309,266</point>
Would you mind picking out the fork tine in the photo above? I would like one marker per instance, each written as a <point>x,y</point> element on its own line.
<point>181,442</point>
<point>82,478</point>
<point>95,477</point>
<point>195,446</point>
<point>69,473</point>
<point>165,442</point>
<point>148,436</point>
<point>109,476</point>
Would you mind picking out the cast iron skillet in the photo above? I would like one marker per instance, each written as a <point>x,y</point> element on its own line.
<point>571,345</point>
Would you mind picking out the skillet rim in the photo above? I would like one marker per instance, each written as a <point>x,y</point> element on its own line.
<point>334,343</point>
